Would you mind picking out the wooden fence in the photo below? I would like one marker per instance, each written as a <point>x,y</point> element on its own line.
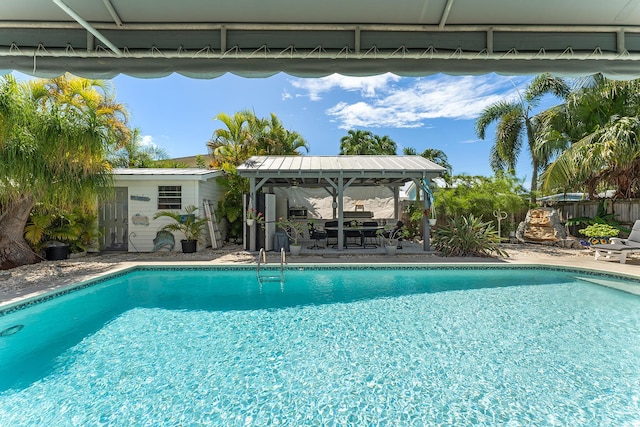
<point>626,211</point>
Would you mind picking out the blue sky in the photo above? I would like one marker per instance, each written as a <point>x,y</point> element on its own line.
<point>178,113</point>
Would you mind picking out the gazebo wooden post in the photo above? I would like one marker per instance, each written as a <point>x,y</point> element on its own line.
<point>426,227</point>
<point>396,202</point>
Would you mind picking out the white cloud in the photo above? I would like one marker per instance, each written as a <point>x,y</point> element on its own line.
<point>367,86</point>
<point>389,101</point>
<point>147,141</point>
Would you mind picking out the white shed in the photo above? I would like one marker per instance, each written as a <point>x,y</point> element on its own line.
<point>126,220</point>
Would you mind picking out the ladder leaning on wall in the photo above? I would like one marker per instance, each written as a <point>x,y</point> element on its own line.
<point>214,231</point>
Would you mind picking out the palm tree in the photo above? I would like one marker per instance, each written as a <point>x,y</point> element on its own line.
<point>272,138</point>
<point>598,131</point>
<point>54,136</point>
<point>383,145</point>
<point>136,155</point>
<point>436,156</point>
<point>246,135</point>
<point>355,142</point>
<point>95,99</point>
<point>231,143</point>
<point>514,121</point>
<point>363,142</point>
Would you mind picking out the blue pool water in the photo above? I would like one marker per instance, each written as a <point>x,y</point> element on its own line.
<point>341,347</point>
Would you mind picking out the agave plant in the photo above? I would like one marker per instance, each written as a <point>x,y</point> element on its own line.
<point>467,236</point>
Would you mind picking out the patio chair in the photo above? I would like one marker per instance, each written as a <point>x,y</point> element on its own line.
<point>315,235</point>
<point>370,236</point>
<point>332,234</point>
<point>354,235</point>
<point>619,249</point>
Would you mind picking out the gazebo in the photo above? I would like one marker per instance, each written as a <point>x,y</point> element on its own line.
<point>337,173</point>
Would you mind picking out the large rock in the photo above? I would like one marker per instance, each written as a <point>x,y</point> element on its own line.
<point>540,226</point>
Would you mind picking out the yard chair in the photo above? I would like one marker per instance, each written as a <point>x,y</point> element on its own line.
<point>332,234</point>
<point>619,249</point>
<point>315,235</point>
<point>354,235</point>
<point>371,236</point>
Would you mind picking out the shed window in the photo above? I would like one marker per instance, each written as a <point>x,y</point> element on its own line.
<point>170,197</point>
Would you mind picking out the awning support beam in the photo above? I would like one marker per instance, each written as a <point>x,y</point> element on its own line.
<point>87,26</point>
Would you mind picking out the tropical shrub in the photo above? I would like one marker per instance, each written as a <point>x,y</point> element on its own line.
<point>78,229</point>
<point>414,214</point>
<point>467,236</point>
<point>229,207</point>
<point>481,196</point>
<point>599,230</point>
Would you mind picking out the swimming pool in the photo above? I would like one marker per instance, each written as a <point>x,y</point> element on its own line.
<point>331,346</point>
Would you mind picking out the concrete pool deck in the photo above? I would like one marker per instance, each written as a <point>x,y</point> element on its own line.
<point>31,281</point>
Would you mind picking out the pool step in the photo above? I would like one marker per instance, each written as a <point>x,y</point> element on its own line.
<point>632,288</point>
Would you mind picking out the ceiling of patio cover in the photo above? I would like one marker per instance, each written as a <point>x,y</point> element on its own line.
<point>254,38</point>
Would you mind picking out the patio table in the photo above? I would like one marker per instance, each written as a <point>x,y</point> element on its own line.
<point>360,229</point>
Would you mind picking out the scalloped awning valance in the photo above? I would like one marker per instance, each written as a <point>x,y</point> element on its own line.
<point>205,39</point>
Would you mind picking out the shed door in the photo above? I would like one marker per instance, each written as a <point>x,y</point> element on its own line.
<point>113,222</point>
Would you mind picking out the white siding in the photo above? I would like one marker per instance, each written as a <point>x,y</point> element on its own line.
<point>211,190</point>
<point>141,236</point>
<point>142,201</point>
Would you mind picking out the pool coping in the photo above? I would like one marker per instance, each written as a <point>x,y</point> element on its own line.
<point>44,293</point>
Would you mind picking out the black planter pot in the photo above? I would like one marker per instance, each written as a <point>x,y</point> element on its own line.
<point>56,253</point>
<point>189,246</point>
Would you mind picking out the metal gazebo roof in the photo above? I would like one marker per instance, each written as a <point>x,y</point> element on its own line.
<point>314,171</point>
<point>207,38</point>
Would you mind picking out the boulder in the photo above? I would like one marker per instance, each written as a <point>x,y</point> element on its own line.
<point>542,225</point>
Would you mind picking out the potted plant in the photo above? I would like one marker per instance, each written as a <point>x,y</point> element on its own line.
<point>430,213</point>
<point>254,216</point>
<point>599,233</point>
<point>391,237</point>
<point>61,234</point>
<point>188,223</point>
<point>294,230</point>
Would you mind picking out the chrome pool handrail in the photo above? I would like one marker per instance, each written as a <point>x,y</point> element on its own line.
<point>262,259</point>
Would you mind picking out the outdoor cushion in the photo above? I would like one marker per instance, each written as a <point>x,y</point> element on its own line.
<point>617,247</point>
<point>634,236</point>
